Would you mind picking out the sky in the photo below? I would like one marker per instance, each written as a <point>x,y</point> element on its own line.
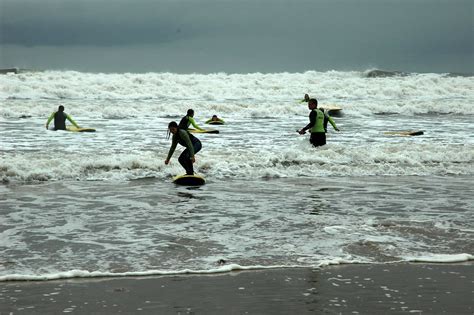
<point>237,36</point>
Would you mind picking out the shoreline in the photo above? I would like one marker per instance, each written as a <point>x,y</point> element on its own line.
<point>415,288</point>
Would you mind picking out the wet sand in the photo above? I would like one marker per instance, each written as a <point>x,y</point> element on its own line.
<point>344,289</point>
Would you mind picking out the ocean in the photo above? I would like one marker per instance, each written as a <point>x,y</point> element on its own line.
<point>103,204</point>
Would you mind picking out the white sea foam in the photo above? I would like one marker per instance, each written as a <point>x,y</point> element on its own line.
<point>442,258</point>
<point>96,274</point>
<point>100,274</point>
<point>294,161</point>
<point>241,94</point>
<point>453,258</point>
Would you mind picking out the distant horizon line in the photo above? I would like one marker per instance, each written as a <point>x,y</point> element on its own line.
<point>370,72</point>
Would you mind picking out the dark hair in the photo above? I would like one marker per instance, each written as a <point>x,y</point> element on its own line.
<point>214,116</point>
<point>61,108</point>
<point>313,100</point>
<point>190,112</point>
<point>172,124</point>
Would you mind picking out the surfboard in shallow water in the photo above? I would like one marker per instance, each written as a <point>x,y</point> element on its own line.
<point>203,131</point>
<point>215,122</point>
<point>332,110</point>
<point>405,133</point>
<point>189,180</point>
<point>74,129</point>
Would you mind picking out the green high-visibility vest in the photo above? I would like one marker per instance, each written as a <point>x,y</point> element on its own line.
<point>319,124</point>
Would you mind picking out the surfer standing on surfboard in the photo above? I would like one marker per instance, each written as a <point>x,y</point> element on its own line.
<point>60,119</point>
<point>192,144</point>
<point>188,120</point>
<point>316,124</point>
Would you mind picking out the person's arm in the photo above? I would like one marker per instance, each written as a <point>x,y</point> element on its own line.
<point>333,124</point>
<point>72,121</point>
<point>174,143</point>
<point>49,119</point>
<point>312,121</point>
<point>193,122</point>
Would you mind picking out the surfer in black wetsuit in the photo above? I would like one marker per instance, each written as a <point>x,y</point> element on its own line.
<point>188,120</point>
<point>316,124</point>
<point>192,144</point>
<point>60,119</point>
<point>215,120</point>
<point>306,99</point>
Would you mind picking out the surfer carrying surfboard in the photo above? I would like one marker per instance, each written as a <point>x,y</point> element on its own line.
<point>316,124</point>
<point>60,119</point>
<point>188,120</point>
<point>184,138</point>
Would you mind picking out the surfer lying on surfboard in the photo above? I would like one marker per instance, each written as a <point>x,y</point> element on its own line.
<point>214,120</point>
<point>184,138</point>
<point>60,119</point>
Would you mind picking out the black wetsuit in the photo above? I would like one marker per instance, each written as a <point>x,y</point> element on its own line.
<point>316,126</point>
<point>60,121</point>
<point>186,139</point>
<point>318,122</point>
<point>184,123</point>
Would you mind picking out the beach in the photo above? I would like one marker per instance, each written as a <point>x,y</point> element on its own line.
<point>345,289</point>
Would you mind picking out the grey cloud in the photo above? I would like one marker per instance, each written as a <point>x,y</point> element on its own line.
<point>244,35</point>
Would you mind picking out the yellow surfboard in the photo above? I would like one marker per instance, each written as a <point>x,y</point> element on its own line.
<point>332,110</point>
<point>215,122</point>
<point>75,129</point>
<point>330,107</point>
<point>406,133</point>
<point>189,180</point>
<point>203,131</point>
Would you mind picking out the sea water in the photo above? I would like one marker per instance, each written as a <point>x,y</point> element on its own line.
<point>95,204</point>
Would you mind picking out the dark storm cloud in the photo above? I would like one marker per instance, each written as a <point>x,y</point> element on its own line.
<point>66,22</point>
<point>244,35</point>
<point>88,23</point>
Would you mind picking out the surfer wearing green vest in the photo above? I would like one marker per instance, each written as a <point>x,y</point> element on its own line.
<point>184,138</point>
<point>316,124</point>
<point>188,120</point>
<point>326,113</point>
<point>60,119</point>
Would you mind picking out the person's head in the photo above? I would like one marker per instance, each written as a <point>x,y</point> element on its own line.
<point>61,108</point>
<point>190,112</point>
<point>312,103</point>
<point>173,128</point>
<point>214,117</point>
<point>306,97</point>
